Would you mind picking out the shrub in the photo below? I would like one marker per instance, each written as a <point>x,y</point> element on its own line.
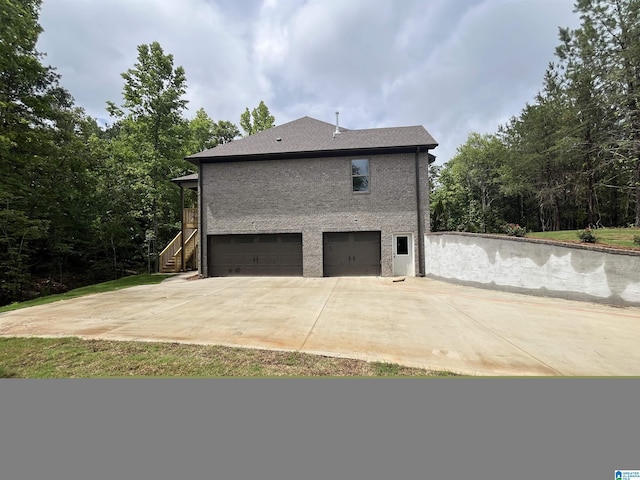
<point>514,230</point>
<point>636,239</point>
<point>587,236</point>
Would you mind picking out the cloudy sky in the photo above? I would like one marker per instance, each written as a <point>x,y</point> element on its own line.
<point>453,66</point>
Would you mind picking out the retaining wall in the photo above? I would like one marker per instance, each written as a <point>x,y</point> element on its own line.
<point>534,266</point>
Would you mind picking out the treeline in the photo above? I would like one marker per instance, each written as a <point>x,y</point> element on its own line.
<point>572,157</point>
<point>80,202</point>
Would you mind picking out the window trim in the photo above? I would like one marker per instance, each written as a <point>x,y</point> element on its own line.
<point>368,176</point>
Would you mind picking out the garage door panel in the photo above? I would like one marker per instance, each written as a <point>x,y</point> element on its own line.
<point>351,253</point>
<point>255,255</point>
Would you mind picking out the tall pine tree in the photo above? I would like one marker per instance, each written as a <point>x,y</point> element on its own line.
<point>151,136</point>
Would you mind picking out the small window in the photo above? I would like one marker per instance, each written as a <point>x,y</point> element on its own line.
<point>360,175</point>
<point>402,245</point>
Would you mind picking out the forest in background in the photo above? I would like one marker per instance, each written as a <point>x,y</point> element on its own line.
<point>81,202</point>
<point>571,158</point>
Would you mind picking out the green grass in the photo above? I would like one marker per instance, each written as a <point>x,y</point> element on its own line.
<point>125,282</point>
<point>616,237</point>
<point>385,369</point>
<point>75,358</point>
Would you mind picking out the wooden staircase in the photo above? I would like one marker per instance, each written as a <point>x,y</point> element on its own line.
<point>171,257</point>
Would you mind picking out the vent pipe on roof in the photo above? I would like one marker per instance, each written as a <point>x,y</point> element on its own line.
<point>337,126</point>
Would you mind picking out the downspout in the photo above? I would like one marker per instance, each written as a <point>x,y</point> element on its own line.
<point>201,225</point>
<point>420,219</point>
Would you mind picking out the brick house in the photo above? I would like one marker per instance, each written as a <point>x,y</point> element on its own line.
<point>308,198</point>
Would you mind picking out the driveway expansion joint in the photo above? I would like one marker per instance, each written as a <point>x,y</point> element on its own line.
<point>324,305</point>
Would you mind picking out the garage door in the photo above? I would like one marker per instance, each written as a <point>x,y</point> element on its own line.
<point>255,255</point>
<point>351,253</point>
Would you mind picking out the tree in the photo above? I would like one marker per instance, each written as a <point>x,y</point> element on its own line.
<point>450,202</point>
<point>151,121</point>
<point>610,29</point>
<point>587,126</point>
<point>201,128</point>
<point>540,166</point>
<point>479,162</point>
<point>153,92</point>
<point>44,179</point>
<point>573,154</point>
<point>469,187</point>
<point>257,120</point>
<point>225,132</point>
<point>205,133</point>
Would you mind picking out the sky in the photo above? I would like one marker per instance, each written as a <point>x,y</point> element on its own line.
<point>452,66</point>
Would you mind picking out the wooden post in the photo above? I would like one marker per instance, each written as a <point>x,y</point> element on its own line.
<point>182,227</point>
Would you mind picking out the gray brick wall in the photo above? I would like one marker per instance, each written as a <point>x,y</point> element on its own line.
<point>312,196</point>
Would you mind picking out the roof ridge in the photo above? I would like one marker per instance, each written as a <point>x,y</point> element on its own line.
<point>385,128</point>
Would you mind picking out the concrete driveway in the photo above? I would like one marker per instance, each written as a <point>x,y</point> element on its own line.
<point>418,322</point>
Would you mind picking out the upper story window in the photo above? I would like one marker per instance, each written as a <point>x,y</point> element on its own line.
<point>360,175</point>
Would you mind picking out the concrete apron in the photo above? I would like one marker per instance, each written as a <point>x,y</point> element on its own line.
<point>417,322</point>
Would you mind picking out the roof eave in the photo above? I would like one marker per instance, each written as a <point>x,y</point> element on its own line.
<point>197,160</point>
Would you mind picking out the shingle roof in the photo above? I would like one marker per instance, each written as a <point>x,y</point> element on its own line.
<point>308,136</point>
<point>192,177</point>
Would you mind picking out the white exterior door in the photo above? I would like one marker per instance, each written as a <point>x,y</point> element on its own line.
<point>403,254</point>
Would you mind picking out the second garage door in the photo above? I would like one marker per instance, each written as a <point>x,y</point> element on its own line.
<point>351,253</point>
<point>255,255</point>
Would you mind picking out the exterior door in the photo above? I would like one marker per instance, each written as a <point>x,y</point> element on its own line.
<point>403,254</point>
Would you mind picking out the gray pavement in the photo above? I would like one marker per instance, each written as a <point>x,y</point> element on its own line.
<point>418,322</point>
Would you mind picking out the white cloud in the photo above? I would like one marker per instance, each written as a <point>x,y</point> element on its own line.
<point>452,66</point>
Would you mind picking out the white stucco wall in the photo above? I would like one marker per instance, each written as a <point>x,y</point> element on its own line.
<point>530,266</point>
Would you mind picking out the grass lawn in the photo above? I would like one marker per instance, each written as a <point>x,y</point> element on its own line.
<point>75,358</point>
<point>615,237</point>
<point>125,282</point>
